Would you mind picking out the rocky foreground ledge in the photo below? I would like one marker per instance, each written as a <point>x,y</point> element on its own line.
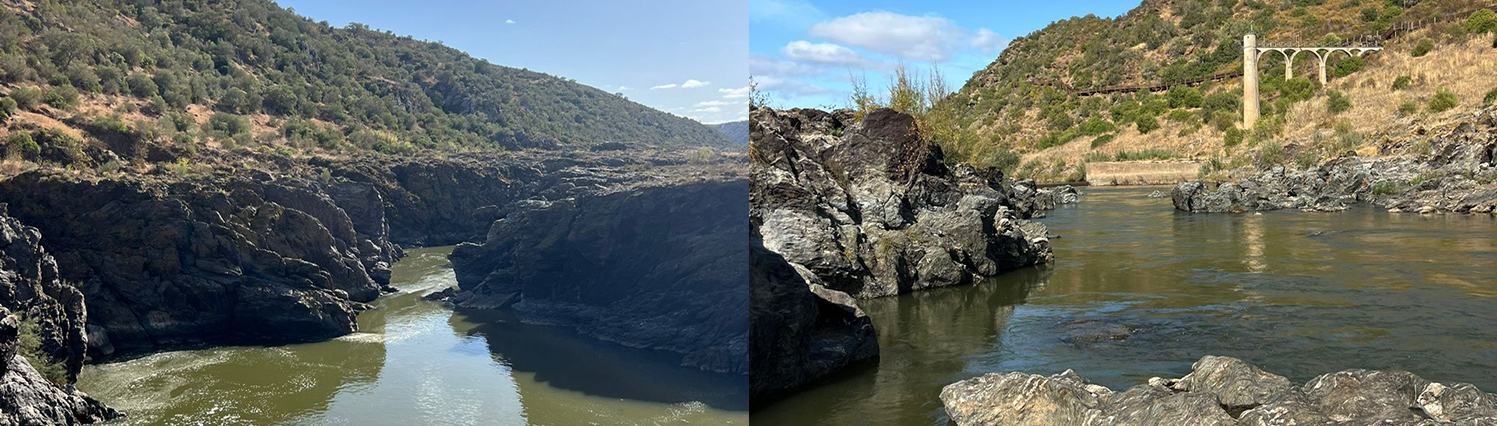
<point>1219,391</point>
<point>1459,175</point>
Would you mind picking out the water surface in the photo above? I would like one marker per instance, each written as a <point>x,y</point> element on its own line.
<point>1298,294</point>
<point>418,362</point>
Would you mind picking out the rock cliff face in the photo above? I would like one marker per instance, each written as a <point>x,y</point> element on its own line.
<point>802,331</point>
<point>211,260</point>
<point>1219,391</point>
<point>1459,175</point>
<point>645,258</point>
<point>846,210</point>
<point>30,288</point>
<point>874,211</point>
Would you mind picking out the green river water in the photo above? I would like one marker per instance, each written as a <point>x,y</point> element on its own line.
<point>416,362</point>
<point>1298,294</point>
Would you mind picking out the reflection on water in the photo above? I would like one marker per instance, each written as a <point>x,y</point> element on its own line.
<point>416,362</point>
<point>1299,294</point>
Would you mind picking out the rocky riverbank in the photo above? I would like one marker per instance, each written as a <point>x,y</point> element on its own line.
<point>1219,391</point>
<point>1457,175</point>
<point>843,208</point>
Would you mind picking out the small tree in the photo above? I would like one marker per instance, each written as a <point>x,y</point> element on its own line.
<point>1146,124</point>
<point>7,109</point>
<point>27,98</point>
<point>1482,22</point>
<point>1423,47</point>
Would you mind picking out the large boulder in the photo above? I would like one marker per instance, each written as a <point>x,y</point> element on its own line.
<point>801,330</point>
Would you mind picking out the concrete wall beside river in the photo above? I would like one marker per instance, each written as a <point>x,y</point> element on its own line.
<point>1141,172</point>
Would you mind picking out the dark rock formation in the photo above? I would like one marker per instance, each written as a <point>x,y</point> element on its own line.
<point>873,210</point>
<point>209,260</point>
<point>27,398</point>
<point>1219,391</point>
<point>641,258</point>
<point>1459,175</point>
<point>802,330</point>
<point>29,287</point>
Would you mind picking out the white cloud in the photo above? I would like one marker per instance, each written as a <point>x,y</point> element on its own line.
<point>772,83</point>
<point>988,41</point>
<point>509,21</point>
<point>739,93</point>
<point>664,86</point>
<point>692,84</point>
<point>708,109</point>
<point>919,38</point>
<point>823,53</point>
<point>624,88</point>
<point>768,65</point>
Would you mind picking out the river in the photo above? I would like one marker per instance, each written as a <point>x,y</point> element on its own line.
<point>419,362</point>
<point>1298,294</point>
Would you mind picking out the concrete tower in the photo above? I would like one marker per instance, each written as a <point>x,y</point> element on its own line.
<point>1249,80</point>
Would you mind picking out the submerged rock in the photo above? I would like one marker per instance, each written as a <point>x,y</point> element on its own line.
<point>873,210</point>
<point>1219,391</point>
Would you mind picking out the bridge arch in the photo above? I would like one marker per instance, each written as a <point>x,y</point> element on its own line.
<point>1252,53</point>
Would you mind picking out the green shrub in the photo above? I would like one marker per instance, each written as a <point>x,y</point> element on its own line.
<point>1348,66</point>
<point>1443,101</point>
<point>224,125</point>
<point>1423,47</point>
<point>1223,120</point>
<point>1184,97</point>
<point>1402,82</point>
<point>29,345</point>
<point>1337,102</point>
<point>1147,154</point>
<point>27,98</point>
<point>1384,188</point>
<point>7,108</point>
<point>22,144</point>
<point>142,86</point>
<point>1146,124</point>
<point>1407,108</point>
<point>1481,22</point>
<point>1102,140</point>
<point>1272,154</point>
<point>1222,101</point>
<point>1096,126</point>
<point>1297,89</point>
<point>1234,137</point>
<point>61,97</point>
<point>1490,97</point>
<point>1183,116</point>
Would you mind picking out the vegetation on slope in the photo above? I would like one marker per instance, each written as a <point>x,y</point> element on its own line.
<point>736,131</point>
<point>1025,101</point>
<point>182,74</point>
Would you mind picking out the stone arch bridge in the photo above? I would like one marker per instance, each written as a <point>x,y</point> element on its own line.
<point>1251,53</point>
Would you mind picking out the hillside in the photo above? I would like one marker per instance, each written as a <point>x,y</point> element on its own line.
<point>736,131</point>
<point>164,78</point>
<point>1025,101</point>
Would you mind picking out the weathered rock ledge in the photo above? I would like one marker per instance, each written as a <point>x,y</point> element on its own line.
<point>1219,391</point>
<point>1459,175</point>
<point>802,331</point>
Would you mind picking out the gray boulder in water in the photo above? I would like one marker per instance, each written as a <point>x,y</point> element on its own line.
<point>1219,391</point>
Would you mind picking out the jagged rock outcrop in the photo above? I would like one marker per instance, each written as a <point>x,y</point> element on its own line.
<point>645,258</point>
<point>1219,391</point>
<point>873,210</point>
<point>802,331</point>
<point>1459,175</point>
<point>29,287</point>
<point>217,259</point>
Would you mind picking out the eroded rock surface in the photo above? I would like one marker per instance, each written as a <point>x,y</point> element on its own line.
<point>1458,175</point>
<point>873,210</point>
<point>1219,391</point>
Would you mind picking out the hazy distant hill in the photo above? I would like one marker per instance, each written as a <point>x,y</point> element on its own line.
<point>275,74</point>
<point>736,131</point>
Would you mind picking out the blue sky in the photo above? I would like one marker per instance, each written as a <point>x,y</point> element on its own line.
<point>680,56</point>
<point>801,52</point>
